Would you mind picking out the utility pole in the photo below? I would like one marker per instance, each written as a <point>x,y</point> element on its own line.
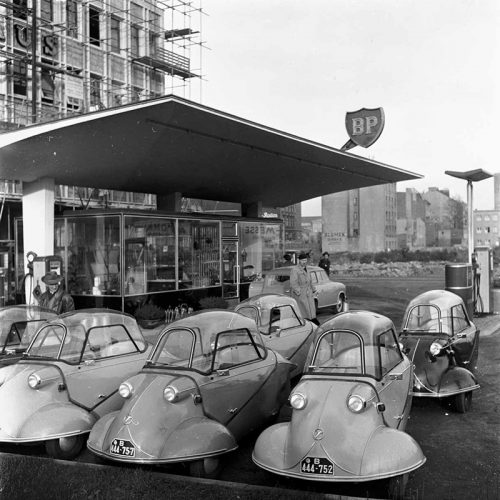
<point>34,80</point>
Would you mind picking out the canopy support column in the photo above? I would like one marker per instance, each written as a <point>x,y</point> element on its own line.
<point>38,220</point>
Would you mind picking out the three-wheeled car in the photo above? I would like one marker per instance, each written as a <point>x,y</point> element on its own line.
<point>69,377</point>
<point>443,344</point>
<point>18,324</point>
<point>349,409</point>
<point>210,380</point>
<point>281,325</point>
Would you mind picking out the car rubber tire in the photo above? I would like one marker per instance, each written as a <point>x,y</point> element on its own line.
<point>65,448</point>
<point>462,402</point>
<point>207,468</point>
<point>340,305</point>
<point>396,487</point>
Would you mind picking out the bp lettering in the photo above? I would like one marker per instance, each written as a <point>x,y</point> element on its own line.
<point>364,125</point>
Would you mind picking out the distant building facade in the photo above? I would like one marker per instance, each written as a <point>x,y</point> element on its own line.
<point>360,220</point>
<point>410,224</point>
<point>487,228</point>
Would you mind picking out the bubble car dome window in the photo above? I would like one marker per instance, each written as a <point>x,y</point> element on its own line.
<point>425,318</point>
<point>339,352</point>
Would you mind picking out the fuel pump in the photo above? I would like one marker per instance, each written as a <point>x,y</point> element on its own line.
<point>38,267</point>
<point>482,268</point>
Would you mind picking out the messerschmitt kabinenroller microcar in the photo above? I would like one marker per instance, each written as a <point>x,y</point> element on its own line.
<point>443,343</point>
<point>18,324</point>
<point>68,377</point>
<point>281,325</point>
<point>210,380</point>
<point>349,410</point>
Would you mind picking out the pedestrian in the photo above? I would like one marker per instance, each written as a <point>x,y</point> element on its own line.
<point>324,262</point>
<point>302,289</point>
<point>55,297</point>
<point>287,260</point>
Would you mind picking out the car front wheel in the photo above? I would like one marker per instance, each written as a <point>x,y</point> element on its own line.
<point>340,305</point>
<point>462,402</point>
<point>65,448</point>
<point>208,468</point>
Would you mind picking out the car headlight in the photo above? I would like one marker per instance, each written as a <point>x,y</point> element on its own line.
<point>356,403</point>
<point>125,390</point>
<point>435,348</point>
<point>170,393</point>
<point>34,381</point>
<point>298,401</point>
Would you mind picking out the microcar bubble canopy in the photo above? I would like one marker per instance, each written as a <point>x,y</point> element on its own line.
<point>191,342</point>
<point>355,344</point>
<point>65,338</point>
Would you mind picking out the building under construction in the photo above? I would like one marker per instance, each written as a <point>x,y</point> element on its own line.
<point>64,57</point>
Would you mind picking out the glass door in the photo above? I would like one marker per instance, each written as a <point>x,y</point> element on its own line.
<point>230,269</point>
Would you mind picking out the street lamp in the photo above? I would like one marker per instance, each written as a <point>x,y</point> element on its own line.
<point>470,176</point>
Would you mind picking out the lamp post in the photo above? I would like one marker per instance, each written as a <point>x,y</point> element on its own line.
<point>470,176</point>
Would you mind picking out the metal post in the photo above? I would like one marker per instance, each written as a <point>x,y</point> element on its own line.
<point>34,80</point>
<point>470,225</point>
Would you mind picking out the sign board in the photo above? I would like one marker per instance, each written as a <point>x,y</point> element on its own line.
<point>364,127</point>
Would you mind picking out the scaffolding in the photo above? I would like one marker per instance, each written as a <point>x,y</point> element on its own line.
<point>66,57</point>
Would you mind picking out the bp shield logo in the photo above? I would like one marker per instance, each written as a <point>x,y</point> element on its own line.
<point>364,126</point>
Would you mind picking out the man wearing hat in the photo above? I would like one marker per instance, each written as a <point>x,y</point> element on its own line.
<point>55,297</point>
<point>302,288</point>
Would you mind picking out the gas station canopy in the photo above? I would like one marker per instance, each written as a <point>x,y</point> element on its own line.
<point>170,145</point>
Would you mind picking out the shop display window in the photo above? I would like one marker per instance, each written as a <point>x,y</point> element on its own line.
<point>198,253</point>
<point>261,246</point>
<point>93,255</point>
<point>149,245</point>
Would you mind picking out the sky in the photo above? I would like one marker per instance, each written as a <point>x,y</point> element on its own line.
<point>299,66</point>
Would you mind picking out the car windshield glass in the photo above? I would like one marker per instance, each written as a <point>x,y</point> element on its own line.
<point>273,279</point>
<point>249,312</point>
<point>179,348</point>
<point>338,352</point>
<point>48,342</point>
<point>425,318</point>
<point>21,333</point>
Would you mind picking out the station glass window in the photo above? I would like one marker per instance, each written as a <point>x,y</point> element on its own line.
<point>198,253</point>
<point>261,245</point>
<point>115,35</point>
<point>93,255</point>
<point>71,18</point>
<point>149,246</point>
<point>94,27</point>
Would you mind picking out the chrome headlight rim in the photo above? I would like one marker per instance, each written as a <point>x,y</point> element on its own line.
<point>356,403</point>
<point>34,381</point>
<point>435,348</point>
<point>298,401</point>
<point>171,394</point>
<point>126,390</point>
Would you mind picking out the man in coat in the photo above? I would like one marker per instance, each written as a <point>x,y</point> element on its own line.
<point>55,297</point>
<point>302,289</point>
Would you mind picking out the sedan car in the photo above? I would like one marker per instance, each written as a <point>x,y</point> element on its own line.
<point>210,381</point>
<point>281,325</point>
<point>443,343</point>
<point>69,377</point>
<point>329,294</point>
<point>349,410</point>
<point>18,324</point>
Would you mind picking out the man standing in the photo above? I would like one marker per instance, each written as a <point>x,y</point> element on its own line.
<point>324,262</point>
<point>303,290</point>
<point>55,297</point>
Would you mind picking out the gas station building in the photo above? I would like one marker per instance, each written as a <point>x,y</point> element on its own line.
<point>173,148</point>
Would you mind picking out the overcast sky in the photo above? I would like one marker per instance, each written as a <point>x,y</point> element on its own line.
<point>432,65</point>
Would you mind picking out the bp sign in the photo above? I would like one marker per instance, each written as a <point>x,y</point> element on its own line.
<point>364,126</point>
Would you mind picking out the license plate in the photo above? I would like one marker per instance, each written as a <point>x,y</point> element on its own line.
<point>122,448</point>
<point>316,465</point>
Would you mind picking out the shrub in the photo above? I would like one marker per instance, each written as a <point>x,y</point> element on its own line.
<point>149,311</point>
<point>213,303</point>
